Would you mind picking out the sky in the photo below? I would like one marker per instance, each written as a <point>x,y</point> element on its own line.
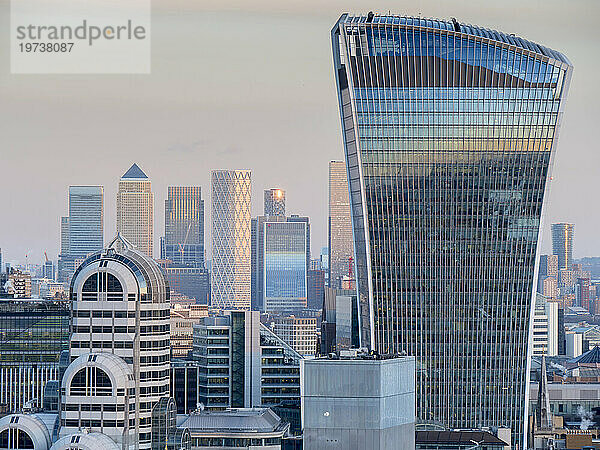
<point>249,85</point>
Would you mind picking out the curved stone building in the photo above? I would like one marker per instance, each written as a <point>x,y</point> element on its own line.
<point>85,441</point>
<point>449,134</point>
<point>119,346</point>
<point>20,431</point>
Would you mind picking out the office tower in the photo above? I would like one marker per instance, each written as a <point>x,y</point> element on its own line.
<point>583,294</point>
<point>34,333</point>
<point>82,231</point>
<point>298,332</point>
<point>548,268</point>
<point>135,210</point>
<point>545,327</point>
<point>243,363</point>
<point>183,318</point>
<point>356,403</point>
<point>86,220</point>
<point>48,269</point>
<point>566,282</point>
<point>184,227</point>
<point>549,288</point>
<point>447,171</point>
<point>19,284</point>
<point>316,288</point>
<point>193,282</point>
<point>562,243</point>
<point>230,270</point>
<point>280,261</point>
<point>120,332</point>
<point>274,202</point>
<point>341,248</point>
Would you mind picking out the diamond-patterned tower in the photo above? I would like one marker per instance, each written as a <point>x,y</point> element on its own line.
<point>231,217</point>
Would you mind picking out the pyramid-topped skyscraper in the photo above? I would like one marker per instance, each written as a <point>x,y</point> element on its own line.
<point>135,209</point>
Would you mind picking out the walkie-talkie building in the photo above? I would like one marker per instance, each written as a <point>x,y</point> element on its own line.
<point>449,133</point>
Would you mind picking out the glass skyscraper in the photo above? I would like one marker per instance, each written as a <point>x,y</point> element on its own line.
<point>280,263</point>
<point>184,227</point>
<point>86,219</point>
<point>33,333</point>
<point>449,135</point>
<point>274,202</point>
<point>82,231</point>
<point>285,266</point>
<point>562,243</point>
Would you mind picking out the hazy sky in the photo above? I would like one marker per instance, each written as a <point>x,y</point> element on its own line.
<point>249,84</point>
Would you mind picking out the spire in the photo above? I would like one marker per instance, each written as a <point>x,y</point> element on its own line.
<point>119,243</point>
<point>134,172</point>
<point>543,416</point>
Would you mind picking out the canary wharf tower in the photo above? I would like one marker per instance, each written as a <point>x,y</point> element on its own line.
<point>449,134</point>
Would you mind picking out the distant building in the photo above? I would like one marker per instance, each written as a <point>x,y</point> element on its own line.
<point>358,403</point>
<point>549,288</point>
<point>183,318</point>
<point>135,210</point>
<point>47,288</point>
<point>316,288</point>
<point>298,332</point>
<point>280,262</point>
<point>183,243</point>
<point>243,363</point>
<point>33,333</point>
<point>82,231</point>
<point>19,284</point>
<point>340,244</point>
<point>231,216</point>
<point>545,327</point>
<point>193,282</point>
<point>562,243</point>
<point>548,269</point>
<point>339,321</point>
<point>274,202</point>
<point>582,291</point>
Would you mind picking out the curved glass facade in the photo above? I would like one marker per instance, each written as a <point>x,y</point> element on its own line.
<point>449,133</point>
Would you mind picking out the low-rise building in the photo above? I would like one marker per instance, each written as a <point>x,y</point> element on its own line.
<point>299,332</point>
<point>241,428</point>
<point>358,403</point>
<point>183,318</point>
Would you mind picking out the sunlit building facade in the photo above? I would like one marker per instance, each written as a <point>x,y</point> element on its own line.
<point>340,224</point>
<point>231,216</point>
<point>135,210</point>
<point>274,202</point>
<point>449,135</point>
<point>562,243</point>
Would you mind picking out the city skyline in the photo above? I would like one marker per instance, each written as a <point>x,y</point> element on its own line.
<point>173,149</point>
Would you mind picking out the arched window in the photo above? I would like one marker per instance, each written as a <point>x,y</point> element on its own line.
<point>102,282</point>
<point>14,438</point>
<point>91,381</point>
<point>91,284</point>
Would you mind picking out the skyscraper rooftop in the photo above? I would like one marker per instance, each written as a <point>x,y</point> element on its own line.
<point>134,172</point>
